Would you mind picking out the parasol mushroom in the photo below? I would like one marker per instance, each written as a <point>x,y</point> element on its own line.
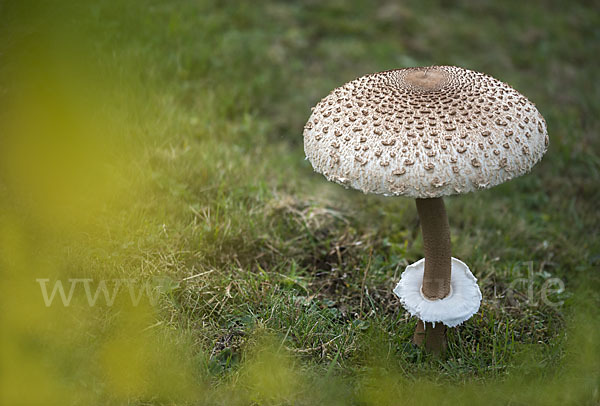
<point>427,133</point>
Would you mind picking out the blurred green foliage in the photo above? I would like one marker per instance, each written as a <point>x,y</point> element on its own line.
<point>159,143</point>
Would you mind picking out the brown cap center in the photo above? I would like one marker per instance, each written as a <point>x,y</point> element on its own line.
<point>426,79</point>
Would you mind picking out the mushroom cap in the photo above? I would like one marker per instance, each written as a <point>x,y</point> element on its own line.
<point>462,302</point>
<point>424,132</point>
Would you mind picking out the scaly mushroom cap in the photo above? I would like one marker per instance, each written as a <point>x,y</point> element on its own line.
<point>424,132</point>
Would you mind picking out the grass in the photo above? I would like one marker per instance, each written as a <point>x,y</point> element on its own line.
<point>161,142</point>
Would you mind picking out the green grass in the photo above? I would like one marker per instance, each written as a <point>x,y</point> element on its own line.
<point>162,141</point>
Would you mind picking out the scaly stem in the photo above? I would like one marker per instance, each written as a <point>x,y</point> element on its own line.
<point>438,267</point>
<point>434,337</point>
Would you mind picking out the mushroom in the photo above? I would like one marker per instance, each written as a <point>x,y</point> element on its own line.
<point>427,133</point>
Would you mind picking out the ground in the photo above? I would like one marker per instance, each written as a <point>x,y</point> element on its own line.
<point>158,145</point>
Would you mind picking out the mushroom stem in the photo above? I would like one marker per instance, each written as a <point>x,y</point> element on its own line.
<point>434,337</point>
<point>438,268</point>
<point>436,244</point>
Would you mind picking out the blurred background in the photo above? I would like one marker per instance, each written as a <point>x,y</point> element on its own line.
<point>163,241</point>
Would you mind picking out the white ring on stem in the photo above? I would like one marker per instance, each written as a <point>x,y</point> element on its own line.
<point>461,303</point>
